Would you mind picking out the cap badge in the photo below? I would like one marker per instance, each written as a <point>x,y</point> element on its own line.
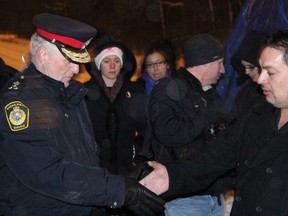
<point>86,43</point>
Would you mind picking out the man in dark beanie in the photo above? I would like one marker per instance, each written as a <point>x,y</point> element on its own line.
<point>202,49</point>
<point>186,113</point>
<point>49,164</point>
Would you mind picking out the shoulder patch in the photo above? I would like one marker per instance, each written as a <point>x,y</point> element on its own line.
<point>17,115</point>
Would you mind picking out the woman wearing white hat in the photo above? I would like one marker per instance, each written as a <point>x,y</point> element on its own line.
<point>116,106</point>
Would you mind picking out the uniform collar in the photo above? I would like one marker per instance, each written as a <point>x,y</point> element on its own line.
<point>73,93</point>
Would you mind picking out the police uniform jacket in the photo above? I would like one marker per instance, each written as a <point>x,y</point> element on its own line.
<point>48,157</point>
<point>259,152</point>
<point>183,118</point>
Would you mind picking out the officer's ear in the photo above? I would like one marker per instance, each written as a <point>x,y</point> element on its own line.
<point>42,54</point>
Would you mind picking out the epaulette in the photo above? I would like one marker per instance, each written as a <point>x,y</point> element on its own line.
<point>14,85</point>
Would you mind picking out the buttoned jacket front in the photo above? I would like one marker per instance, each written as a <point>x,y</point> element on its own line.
<point>258,150</point>
<point>181,117</point>
<point>49,157</point>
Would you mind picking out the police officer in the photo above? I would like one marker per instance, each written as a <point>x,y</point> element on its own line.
<point>47,152</point>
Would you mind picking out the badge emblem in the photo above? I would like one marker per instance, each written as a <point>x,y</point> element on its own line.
<point>17,115</point>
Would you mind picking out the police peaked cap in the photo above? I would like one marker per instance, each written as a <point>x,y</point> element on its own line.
<point>70,36</point>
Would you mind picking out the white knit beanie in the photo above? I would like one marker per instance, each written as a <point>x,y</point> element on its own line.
<point>107,52</point>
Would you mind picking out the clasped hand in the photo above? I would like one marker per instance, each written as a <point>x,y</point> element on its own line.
<point>158,180</point>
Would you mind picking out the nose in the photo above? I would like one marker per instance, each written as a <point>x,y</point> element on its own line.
<point>112,64</point>
<point>74,68</point>
<point>155,67</point>
<point>262,77</point>
<point>222,69</point>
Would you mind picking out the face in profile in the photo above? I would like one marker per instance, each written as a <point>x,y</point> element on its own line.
<point>58,67</point>
<point>251,70</point>
<point>274,76</point>
<point>213,72</point>
<point>156,66</point>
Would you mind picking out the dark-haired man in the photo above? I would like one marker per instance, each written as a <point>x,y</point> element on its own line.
<point>256,146</point>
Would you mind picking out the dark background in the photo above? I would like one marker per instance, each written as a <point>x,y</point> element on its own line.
<point>134,22</point>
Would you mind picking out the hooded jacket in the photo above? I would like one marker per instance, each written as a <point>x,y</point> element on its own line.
<point>250,91</point>
<point>119,119</point>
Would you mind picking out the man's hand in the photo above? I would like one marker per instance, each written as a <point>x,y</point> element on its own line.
<point>158,180</point>
<point>140,200</point>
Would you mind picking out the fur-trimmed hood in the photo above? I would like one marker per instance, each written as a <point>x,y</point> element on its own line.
<point>129,60</point>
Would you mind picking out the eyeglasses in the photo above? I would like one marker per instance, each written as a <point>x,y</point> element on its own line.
<point>153,65</point>
<point>248,67</point>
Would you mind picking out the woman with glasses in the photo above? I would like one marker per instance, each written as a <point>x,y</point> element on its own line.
<point>158,62</point>
<point>245,61</point>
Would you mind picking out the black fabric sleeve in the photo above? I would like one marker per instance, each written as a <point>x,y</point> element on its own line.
<point>203,167</point>
<point>43,170</point>
<point>172,122</point>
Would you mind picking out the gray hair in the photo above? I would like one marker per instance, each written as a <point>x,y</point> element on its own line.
<point>37,41</point>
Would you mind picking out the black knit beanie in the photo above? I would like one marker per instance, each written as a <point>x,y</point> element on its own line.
<point>202,49</point>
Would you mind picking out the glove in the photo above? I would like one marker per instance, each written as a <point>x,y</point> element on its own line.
<point>139,171</point>
<point>140,200</point>
<point>139,168</point>
<point>145,170</point>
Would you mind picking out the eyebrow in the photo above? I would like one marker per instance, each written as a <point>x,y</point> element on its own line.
<point>112,57</point>
<point>159,60</point>
<point>267,67</point>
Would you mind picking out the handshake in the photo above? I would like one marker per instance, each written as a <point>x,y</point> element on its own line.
<point>139,199</point>
<point>142,201</point>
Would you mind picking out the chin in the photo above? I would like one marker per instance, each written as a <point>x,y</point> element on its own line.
<point>269,100</point>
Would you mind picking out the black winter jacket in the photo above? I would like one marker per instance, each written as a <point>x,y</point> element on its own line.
<point>183,119</point>
<point>249,93</point>
<point>118,125</point>
<point>48,155</point>
<point>258,150</point>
